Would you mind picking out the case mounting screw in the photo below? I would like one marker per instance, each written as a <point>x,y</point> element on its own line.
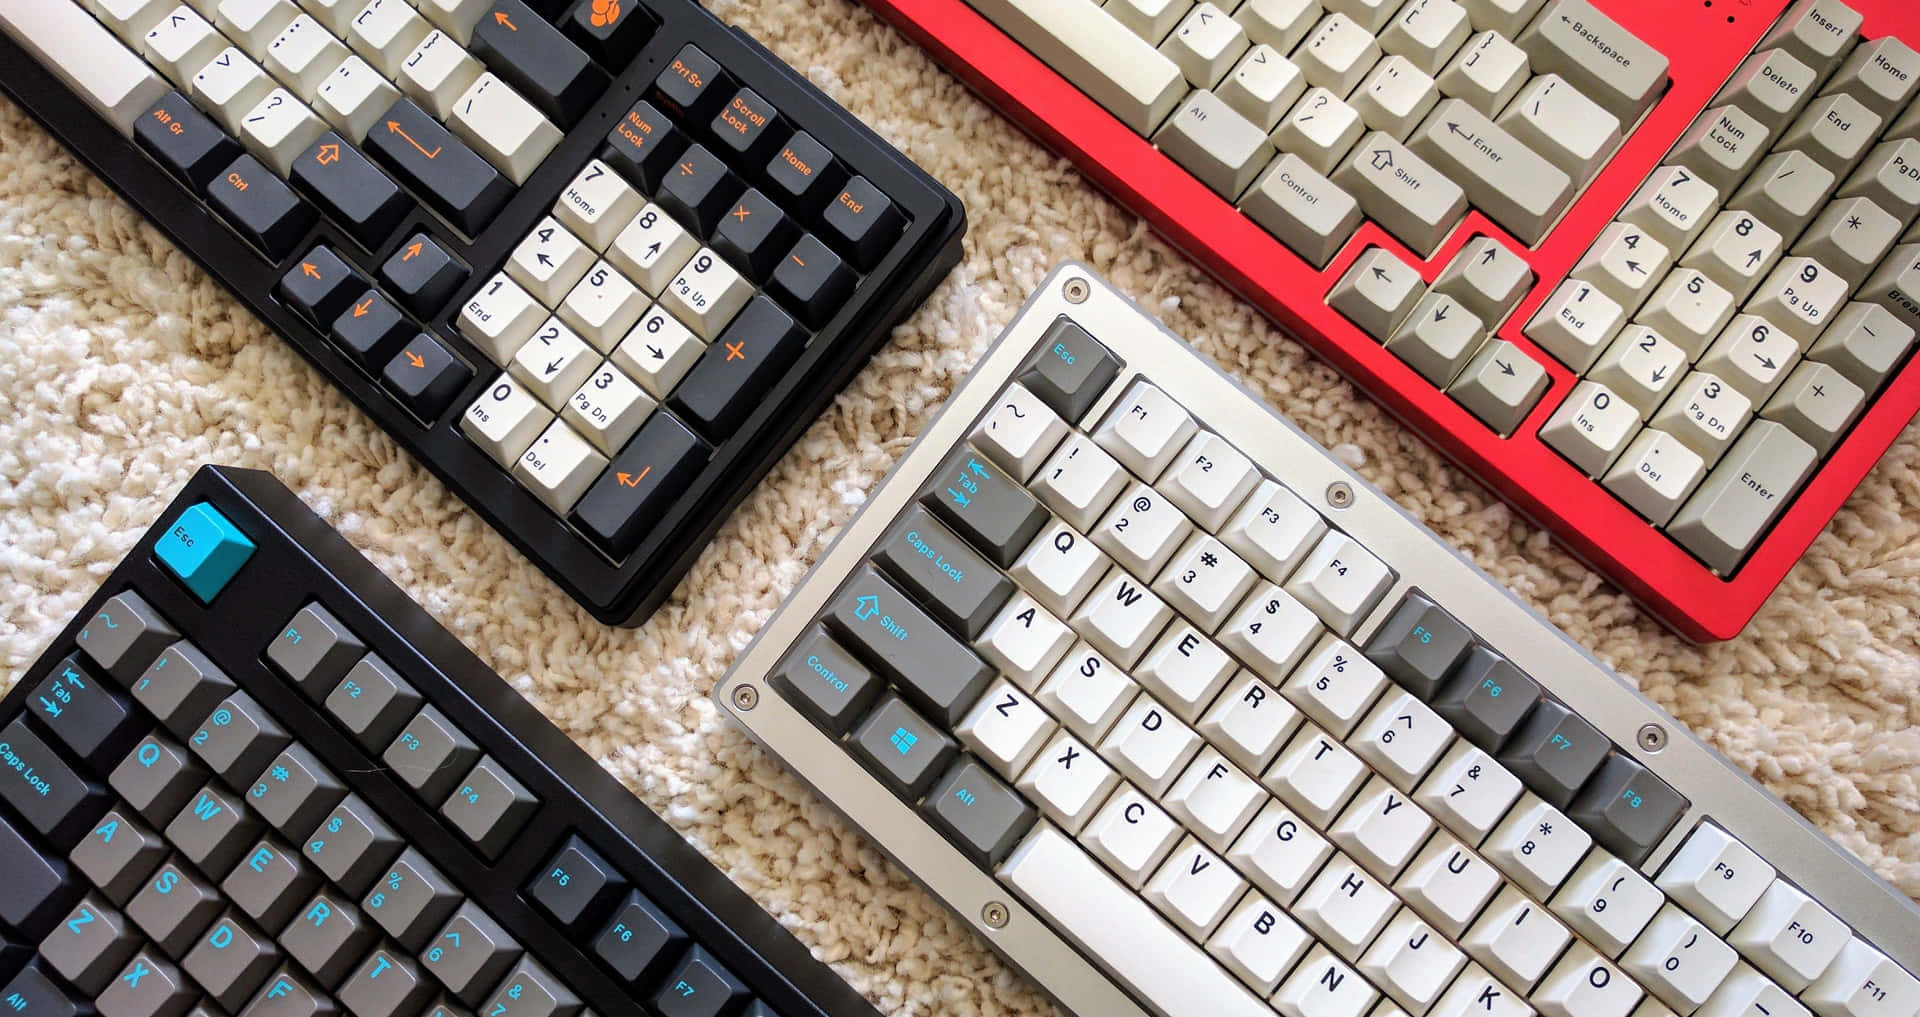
<point>1339,494</point>
<point>746,697</point>
<point>1653,737</point>
<point>995,914</point>
<point>1076,290</point>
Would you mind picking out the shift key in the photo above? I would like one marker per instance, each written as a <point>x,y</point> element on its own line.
<point>941,674</point>
<point>948,576</point>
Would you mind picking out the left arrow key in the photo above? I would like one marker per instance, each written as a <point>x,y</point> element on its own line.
<point>319,286</point>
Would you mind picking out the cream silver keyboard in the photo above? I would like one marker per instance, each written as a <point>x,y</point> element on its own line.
<point>1183,718</point>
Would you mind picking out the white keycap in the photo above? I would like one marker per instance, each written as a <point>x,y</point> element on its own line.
<point>1024,641</point>
<point>1414,200</point>
<point>386,32</point>
<point>1427,33</point>
<point>1799,296</point>
<point>119,85</point>
<point>334,14</point>
<point>1507,17</point>
<point>303,54</point>
<point>1585,984</point>
<point>1131,834</point>
<point>1705,413</point>
<point>1679,959</point>
<point>1340,581</point>
<point>1487,73</point>
<point>1715,877</point>
<point>1890,176</point>
<point>505,420</point>
<point>1105,918</point>
<point>1468,792</point>
<point>603,306</point>
<point>500,318</point>
<point>559,466</point>
<point>455,17</point>
<point>1789,936</point>
<point>658,352</point>
<point>1835,131</point>
<point>1448,884</point>
<point>1674,205</point>
<point>504,128</point>
<point>1273,530</point>
<point>1554,119</point>
<point>1270,631</point>
<point>1151,20</point>
<point>1208,480</point>
<point>1642,367</point>
<point>1395,96</point>
<point>1402,738</point>
<point>354,98</point>
<point>1577,40</point>
<point>1320,131</point>
<point>1280,852</point>
<point>437,73</point>
<point>1335,685</point>
<point>597,205</point>
<point>1785,191</point>
<point>1592,427</point>
<point>1316,776</point>
<point>279,129</point>
<point>1194,888</point>
<point>1145,430</point>
<point>1019,432</point>
<point>1214,798</point>
<point>1079,481</point>
<point>1576,323</point>
<point>608,408</point>
<point>1752,356</point>
<point>1817,403</point>
<point>1747,991</point>
<point>1736,251</point>
<point>252,24</point>
<point>1204,580</point>
<point>1117,68</point>
<point>1625,263</point>
<point>1279,24</point>
<point>1478,994</point>
<point>1263,86</point>
<point>1516,939</point>
<point>1487,278</point>
<point>1371,15</point>
<point>1060,568</point>
<point>1206,45</point>
<point>1381,829</point>
<point>1249,722</point>
<point>652,249</point>
<point>1337,54</point>
<point>706,294</point>
<point>1067,781</point>
<point>131,20</point>
<point>1120,618</point>
<point>1323,985</point>
<point>1006,728</point>
<point>1817,31</point>
<point>1851,237</point>
<point>1655,475</point>
<point>1862,982</point>
<point>1086,692</point>
<point>230,86</point>
<point>1723,146</point>
<point>1259,942</point>
<point>1184,670</point>
<point>1142,530</point>
<point>1536,846</point>
<point>554,363</point>
<point>1412,962</point>
<point>549,261</point>
<point>1771,84</point>
<point>1608,902</point>
<point>1345,906</point>
<point>181,43</point>
<point>1689,309</point>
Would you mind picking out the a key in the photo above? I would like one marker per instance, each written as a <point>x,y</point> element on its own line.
<point>1325,984</point>
<point>148,985</point>
<point>489,807</point>
<point>1340,581</point>
<point>1006,728</point>
<point>1402,738</point>
<point>1316,776</point>
<point>231,961</point>
<point>1203,581</point>
<point>353,97</point>
<point>328,936</point>
<point>230,84</point>
<point>1554,752</point>
<point>387,981</point>
<point>749,129</point>
<point>277,130</point>
<point>755,236</point>
<point>1259,942</point>
<point>1419,645</point>
<point>1849,237</point>
<point>425,377</point>
<point>1468,791</point>
<point>979,813</point>
<point>1205,45</point>
<point>1337,54</point>
<point>1585,983</point>
<point>1861,982</point>
<point>1320,131</point>
<point>1880,73</point>
<point>1427,33</point>
<point>1381,829</point>
<point>644,145</point>
<point>1673,205</point>
<point>1411,962</point>
<point>812,281</point>
<point>1607,901</point>
<point>608,408</point>
<point>213,830</point>
<point>1447,884</point>
<point>1890,177</point>
<point>554,363</point>
<point>1554,118</point>
<point>1486,73</point>
<point>1262,87</point>
<point>260,206</point>
<point>157,778</point>
<point>949,577</point>
<point>1069,371</point>
<point>303,54</point>
<point>48,793</point>
<point>505,420</point>
<point>541,63</point>
<point>1194,888</point>
<point>38,889</point>
<point>1394,97</point>
<point>1835,131</point>
<point>549,261</point>
<point>1067,781</point>
<point>237,738</point>
<point>1378,292</point>
<point>941,675</point>
<point>423,275</point>
<point>1640,366</point>
<point>1715,877</point>
<point>1020,432</point>
<point>350,190</point>
<point>433,163</point>
<point>1799,296</point>
<point>118,854</point>
<point>652,248</point>
<point>1576,324</point>
<point>744,362</point>
<point>1743,494</point>
<point>191,147</point>
<point>1655,474</point>
<point>1892,285</point>
<point>1345,907</point>
<point>1516,939</point>
<point>1413,199</point>
<point>1213,141</point>
<point>699,986</point>
<point>638,939</point>
<point>1335,685</point>
<point>437,73</point>
<point>500,317</point>
<point>181,687</point>
<point>603,306</point>
<point>174,907</point>
<point>1751,356</point>
<point>90,945</point>
<point>558,466</point>
<point>862,222</point>
<point>372,702</point>
<point>1536,846</point>
<point>470,954</point>
<point>1502,176</point>
<point>707,293</point>
<point>430,753</point>
<point>1625,263</point>
<point>1864,343</point>
<point>1785,191</point>
<point>412,899</point>
<point>85,714</point>
<point>1735,252</point>
<point>902,747</point>
<point>1305,210</point>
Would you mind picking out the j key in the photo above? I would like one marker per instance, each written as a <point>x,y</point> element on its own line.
<point>125,635</point>
<point>699,987</point>
<point>812,280</point>
<point>1069,370</point>
<point>369,330</point>
<point>992,510</point>
<point>638,941</point>
<point>37,890</point>
<point>738,369</point>
<point>350,190</point>
<point>576,885</point>
<point>699,189</point>
<point>432,162</point>
<point>630,497</point>
<point>188,144</point>
<point>1627,809</point>
<point>748,129</point>
<point>863,222</point>
<point>692,85</point>
<point>805,176</point>
<point>611,31</point>
<point>425,377</point>
<point>423,275</point>
<point>644,146</point>
<point>541,64</point>
<point>43,789</point>
<point>1554,752</point>
<point>89,717</point>
<point>755,235</point>
<point>260,206</point>
<point>320,286</point>
<point>940,673</point>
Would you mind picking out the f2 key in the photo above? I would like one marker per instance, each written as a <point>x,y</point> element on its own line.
<point>543,65</point>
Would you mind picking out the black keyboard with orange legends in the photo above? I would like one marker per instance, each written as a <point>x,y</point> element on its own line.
<point>596,263</point>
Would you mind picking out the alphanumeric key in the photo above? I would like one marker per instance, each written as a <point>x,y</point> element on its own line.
<point>237,738</point>
<point>731,376</point>
<point>431,161</point>
<point>530,54</point>
<point>692,86</point>
<point>51,795</point>
<point>531,991</point>
<point>754,235</point>
<point>271,883</point>
<point>157,778</point>
<point>119,854</point>
<point>387,982</point>
<point>812,281</point>
<point>183,140</point>
<point>470,954</point>
<point>350,189</point>
<point>644,146</point>
<point>423,275</point>
<point>320,286</point>
<point>149,986</point>
<point>370,329</point>
<point>91,944</point>
<point>803,175</point>
<point>91,718</point>
<point>748,129</point>
<point>426,377</point>
<point>352,846</point>
<point>699,189</point>
<point>175,907</point>
<point>181,686</point>
<point>125,635</point>
<point>231,960</point>
<point>641,484</point>
<point>295,791</point>
<point>260,206</point>
<point>612,31</point>
<point>214,829</point>
<point>412,900</point>
<point>289,994</point>
<point>328,936</point>
<point>863,222</point>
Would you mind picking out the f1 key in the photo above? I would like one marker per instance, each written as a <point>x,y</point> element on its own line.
<point>540,63</point>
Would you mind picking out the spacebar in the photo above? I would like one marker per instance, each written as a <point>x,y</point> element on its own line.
<point>1108,921</point>
<point>70,43</point>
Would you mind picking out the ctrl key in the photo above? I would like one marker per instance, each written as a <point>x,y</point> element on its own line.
<point>260,206</point>
<point>823,681</point>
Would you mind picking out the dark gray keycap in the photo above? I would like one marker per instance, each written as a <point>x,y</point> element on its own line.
<point>91,945</point>
<point>1627,808</point>
<point>125,635</point>
<point>575,885</point>
<point>939,672</point>
<point>699,987</point>
<point>52,797</point>
<point>489,807</point>
<point>288,993</point>
<point>237,738</point>
<point>328,937</point>
<point>373,702</point>
<point>175,907</point>
<point>639,940</point>
<point>232,961</point>
<point>531,991</point>
<point>444,1007</point>
<point>759,1008</point>
<point>470,954</point>
<point>206,1008</point>
<point>979,813</point>
<point>1419,645</point>
<point>1487,698</point>
<point>182,687</point>
<point>352,845</point>
<point>430,754</point>
<point>1554,752</point>
<point>118,855</point>
<point>271,883</point>
<point>149,986</point>
<point>315,650</point>
<point>295,792</point>
<point>38,888</point>
<point>899,745</point>
<point>158,778</point>
<point>957,585</point>
<point>214,829</point>
<point>824,682</point>
<point>412,900</point>
<point>984,504</point>
<point>34,992</point>
<point>386,984</point>
<point>1069,370</point>
<point>94,721</point>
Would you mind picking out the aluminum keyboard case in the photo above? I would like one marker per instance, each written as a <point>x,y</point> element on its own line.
<point>299,558</point>
<point>1705,41</point>
<point>622,593</point>
<point>1716,788</point>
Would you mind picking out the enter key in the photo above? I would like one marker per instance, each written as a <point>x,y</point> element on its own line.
<point>1516,186</point>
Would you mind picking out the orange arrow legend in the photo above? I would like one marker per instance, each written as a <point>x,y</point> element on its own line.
<point>414,359</point>
<point>413,251</point>
<point>360,309</point>
<point>501,17</point>
<point>311,272</point>
<point>394,126</point>
<point>329,154</point>
<point>629,480</point>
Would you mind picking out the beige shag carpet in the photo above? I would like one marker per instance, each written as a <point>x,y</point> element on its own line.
<point>122,368</point>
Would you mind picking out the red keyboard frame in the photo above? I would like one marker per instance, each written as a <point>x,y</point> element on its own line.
<point>1705,41</point>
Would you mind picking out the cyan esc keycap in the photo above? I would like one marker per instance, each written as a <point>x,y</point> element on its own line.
<point>204,550</point>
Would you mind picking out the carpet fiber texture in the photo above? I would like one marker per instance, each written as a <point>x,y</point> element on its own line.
<point>122,368</point>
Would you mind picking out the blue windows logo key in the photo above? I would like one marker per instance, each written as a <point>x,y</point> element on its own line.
<point>904,740</point>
